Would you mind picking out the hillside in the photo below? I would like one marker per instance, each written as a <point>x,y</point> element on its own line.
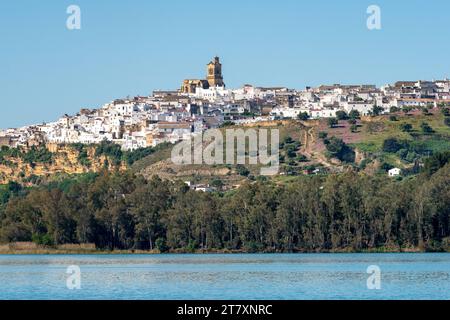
<point>38,164</point>
<point>308,141</point>
<point>306,208</point>
<point>373,144</point>
<point>230,175</point>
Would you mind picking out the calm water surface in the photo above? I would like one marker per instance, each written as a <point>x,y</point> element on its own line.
<point>239,276</point>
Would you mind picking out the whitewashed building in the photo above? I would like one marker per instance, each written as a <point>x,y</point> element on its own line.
<point>394,172</point>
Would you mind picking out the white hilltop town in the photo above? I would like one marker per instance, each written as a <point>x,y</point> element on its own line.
<point>200,104</point>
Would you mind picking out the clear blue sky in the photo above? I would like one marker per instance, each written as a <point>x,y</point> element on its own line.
<point>133,47</point>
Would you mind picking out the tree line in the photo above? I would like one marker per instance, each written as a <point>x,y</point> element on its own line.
<point>348,211</point>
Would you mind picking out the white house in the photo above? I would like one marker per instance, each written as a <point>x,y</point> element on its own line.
<point>323,113</point>
<point>285,112</point>
<point>394,172</point>
<point>213,93</point>
<point>364,108</point>
<point>246,92</point>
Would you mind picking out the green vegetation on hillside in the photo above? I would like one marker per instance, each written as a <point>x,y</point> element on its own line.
<point>114,152</point>
<point>349,211</point>
<point>336,148</point>
<point>406,140</point>
<point>32,156</point>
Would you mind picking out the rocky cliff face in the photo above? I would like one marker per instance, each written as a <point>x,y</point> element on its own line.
<point>65,159</point>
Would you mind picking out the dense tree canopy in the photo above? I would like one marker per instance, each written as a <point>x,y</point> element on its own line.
<point>350,211</point>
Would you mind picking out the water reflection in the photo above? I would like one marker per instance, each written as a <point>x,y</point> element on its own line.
<point>299,276</point>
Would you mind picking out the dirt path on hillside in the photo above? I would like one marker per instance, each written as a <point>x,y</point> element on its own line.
<point>309,146</point>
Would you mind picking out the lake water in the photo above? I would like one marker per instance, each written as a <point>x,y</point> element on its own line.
<point>238,276</point>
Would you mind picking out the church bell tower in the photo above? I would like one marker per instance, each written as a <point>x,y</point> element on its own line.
<point>214,73</point>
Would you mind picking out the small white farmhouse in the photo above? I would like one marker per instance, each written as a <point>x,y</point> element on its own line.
<point>394,172</point>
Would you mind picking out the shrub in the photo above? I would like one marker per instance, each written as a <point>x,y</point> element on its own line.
<point>376,110</point>
<point>161,245</point>
<point>426,128</point>
<point>83,158</point>
<point>131,157</point>
<point>288,140</point>
<point>227,124</point>
<point>332,122</point>
<point>446,244</point>
<point>43,239</point>
<point>291,151</point>
<point>354,114</point>
<point>447,121</point>
<point>338,149</point>
<point>341,115</point>
<point>406,127</point>
<point>111,150</point>
<point>386,166</point>
<point>392,145</point>
<point>323,135</point>
<point>433,246</point>
<point>435,162</point>
<point>364,163</point>
<point>192,246</point>
<point>242,170</point>
<point>402,153</point>
<point>406,110</point>
<point>217,183</point>
<point>253,247</point>
<point>446,112</point>
<point>38,155</point>
<point>303,116</point>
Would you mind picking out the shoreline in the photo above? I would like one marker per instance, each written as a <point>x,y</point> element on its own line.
<point>54,251</point>
<point>30,248</point>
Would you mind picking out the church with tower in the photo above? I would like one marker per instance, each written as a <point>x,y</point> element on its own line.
<point>213,79</point>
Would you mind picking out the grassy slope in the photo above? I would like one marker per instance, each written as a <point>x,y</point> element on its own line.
<point>374,133</point>
<point>159,163</point>
<point>162,154</point>
<point>368,139</point>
